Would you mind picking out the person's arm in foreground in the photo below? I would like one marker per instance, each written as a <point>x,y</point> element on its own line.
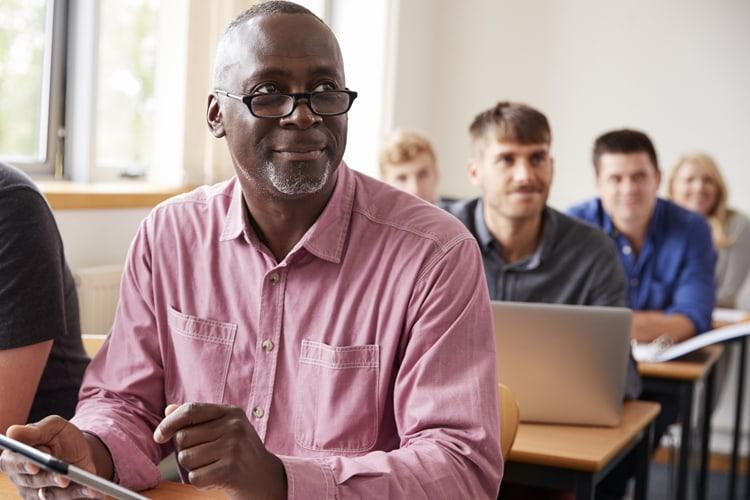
<point>693,297</point>
<point>32,302</point>
<point>445,401</point>
<point>20,371</point>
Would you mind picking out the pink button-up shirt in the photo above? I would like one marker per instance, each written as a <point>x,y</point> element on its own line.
<point>365,359</point>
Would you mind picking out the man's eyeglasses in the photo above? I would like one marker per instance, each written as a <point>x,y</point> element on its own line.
<point>280,105</point>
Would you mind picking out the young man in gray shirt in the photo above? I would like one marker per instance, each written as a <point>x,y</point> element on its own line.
<point>532,252</point>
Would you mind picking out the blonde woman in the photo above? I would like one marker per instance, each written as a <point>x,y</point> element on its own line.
<point>697,184</point>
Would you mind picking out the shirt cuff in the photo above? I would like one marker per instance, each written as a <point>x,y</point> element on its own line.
<point>308,478</point>
<point>132,468</point>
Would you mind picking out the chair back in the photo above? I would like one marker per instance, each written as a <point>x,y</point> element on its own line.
<point>92,343</point>
<point>509,417</point>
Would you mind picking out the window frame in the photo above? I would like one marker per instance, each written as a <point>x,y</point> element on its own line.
<point>47,160</point>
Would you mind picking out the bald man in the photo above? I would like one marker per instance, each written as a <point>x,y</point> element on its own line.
<point>300,331</point>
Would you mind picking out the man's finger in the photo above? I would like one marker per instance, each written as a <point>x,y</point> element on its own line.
<point>39,433</point>
<point>185,416</point>
<point>73,491</point>
<point>40,480</point>
<point>199,456</point>
<point>13,463</point>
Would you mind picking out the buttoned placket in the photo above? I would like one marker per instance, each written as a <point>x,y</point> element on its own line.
<point>267,352</point>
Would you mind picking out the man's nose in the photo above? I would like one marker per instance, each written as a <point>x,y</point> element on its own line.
<point>629,185</point>
<point>302,116</point>
<point>522,171</point>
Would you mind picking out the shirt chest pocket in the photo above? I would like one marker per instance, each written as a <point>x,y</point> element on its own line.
<point>336,404</point>
<point>197,359</point>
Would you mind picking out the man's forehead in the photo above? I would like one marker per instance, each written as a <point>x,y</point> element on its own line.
<point>626,161</point>
<point>292,36</point>
<point>496,143</point>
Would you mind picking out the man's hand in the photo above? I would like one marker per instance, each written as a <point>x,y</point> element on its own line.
<point>59,438</point>
<point>220,449</point>
<point>648,325</point>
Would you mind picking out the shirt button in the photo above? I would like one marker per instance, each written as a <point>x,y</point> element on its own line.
<point>275,278</point>
<point>258,412</point>
<point>627,250</point>
<point>634,282</point>
<point>267,345</point>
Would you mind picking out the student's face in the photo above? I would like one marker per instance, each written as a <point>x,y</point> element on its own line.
<point>627,185</point>
<point>417,177</point>
<point>514,178</point>
<point>694,188</point>
<point>285,157</point>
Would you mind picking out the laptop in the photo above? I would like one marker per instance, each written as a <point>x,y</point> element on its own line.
<point>565,364</point>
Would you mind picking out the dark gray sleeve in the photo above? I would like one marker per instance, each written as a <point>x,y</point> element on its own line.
<point>610,287</point>
<point>32,299</point>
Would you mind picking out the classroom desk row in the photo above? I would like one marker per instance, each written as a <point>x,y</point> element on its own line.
<point>576,458</point>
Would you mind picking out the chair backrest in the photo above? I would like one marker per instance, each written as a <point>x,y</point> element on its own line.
<point>509,417</point>
<point>92,343</point>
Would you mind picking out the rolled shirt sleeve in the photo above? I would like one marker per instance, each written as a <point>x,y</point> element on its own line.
<point>694,289</point>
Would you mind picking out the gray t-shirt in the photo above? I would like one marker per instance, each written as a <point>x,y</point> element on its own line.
<point>38,299</point>
<point>575,263</point>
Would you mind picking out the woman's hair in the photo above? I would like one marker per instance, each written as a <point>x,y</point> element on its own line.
<point>719,214</point>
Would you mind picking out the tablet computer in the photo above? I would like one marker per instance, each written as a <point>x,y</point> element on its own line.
<point>75,474</point>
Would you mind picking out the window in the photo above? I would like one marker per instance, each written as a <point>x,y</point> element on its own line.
<point>107,64</point>
<point>30,83</point>
<point>125,71</point>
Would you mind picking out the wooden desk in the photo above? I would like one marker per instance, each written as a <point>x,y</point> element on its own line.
<point>577,458</point>
<point>681,376</point>
<point>166,491</point>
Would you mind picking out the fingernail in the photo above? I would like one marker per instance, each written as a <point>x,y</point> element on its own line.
<point>62,482</point>
<point>40,493</point>
<point>157,436</point>
<point>31,468</point>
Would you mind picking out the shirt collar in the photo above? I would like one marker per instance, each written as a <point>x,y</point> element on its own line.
<point>325,238</point>
<point>546,241</point>
<point>486,241</point>
<point>653,225</point>
<point>237,221</point>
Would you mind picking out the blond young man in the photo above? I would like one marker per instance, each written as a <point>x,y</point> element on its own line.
<point>408,162</point>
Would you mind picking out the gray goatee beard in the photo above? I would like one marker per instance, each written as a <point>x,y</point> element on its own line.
<point>297,183</point>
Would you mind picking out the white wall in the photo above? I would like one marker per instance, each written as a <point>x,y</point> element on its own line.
<point>97,237</point>
<point>676,69</point>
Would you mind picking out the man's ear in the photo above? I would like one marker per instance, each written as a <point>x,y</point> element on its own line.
<point>214,117</point>
<point>598,182</point>
<point>552,169</point>
<point>472,169</point>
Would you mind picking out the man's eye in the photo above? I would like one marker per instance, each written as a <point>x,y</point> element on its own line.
<point>323,87</point>
<point>266,88</point>
<point>505,160</point>
<point>538,159</point>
